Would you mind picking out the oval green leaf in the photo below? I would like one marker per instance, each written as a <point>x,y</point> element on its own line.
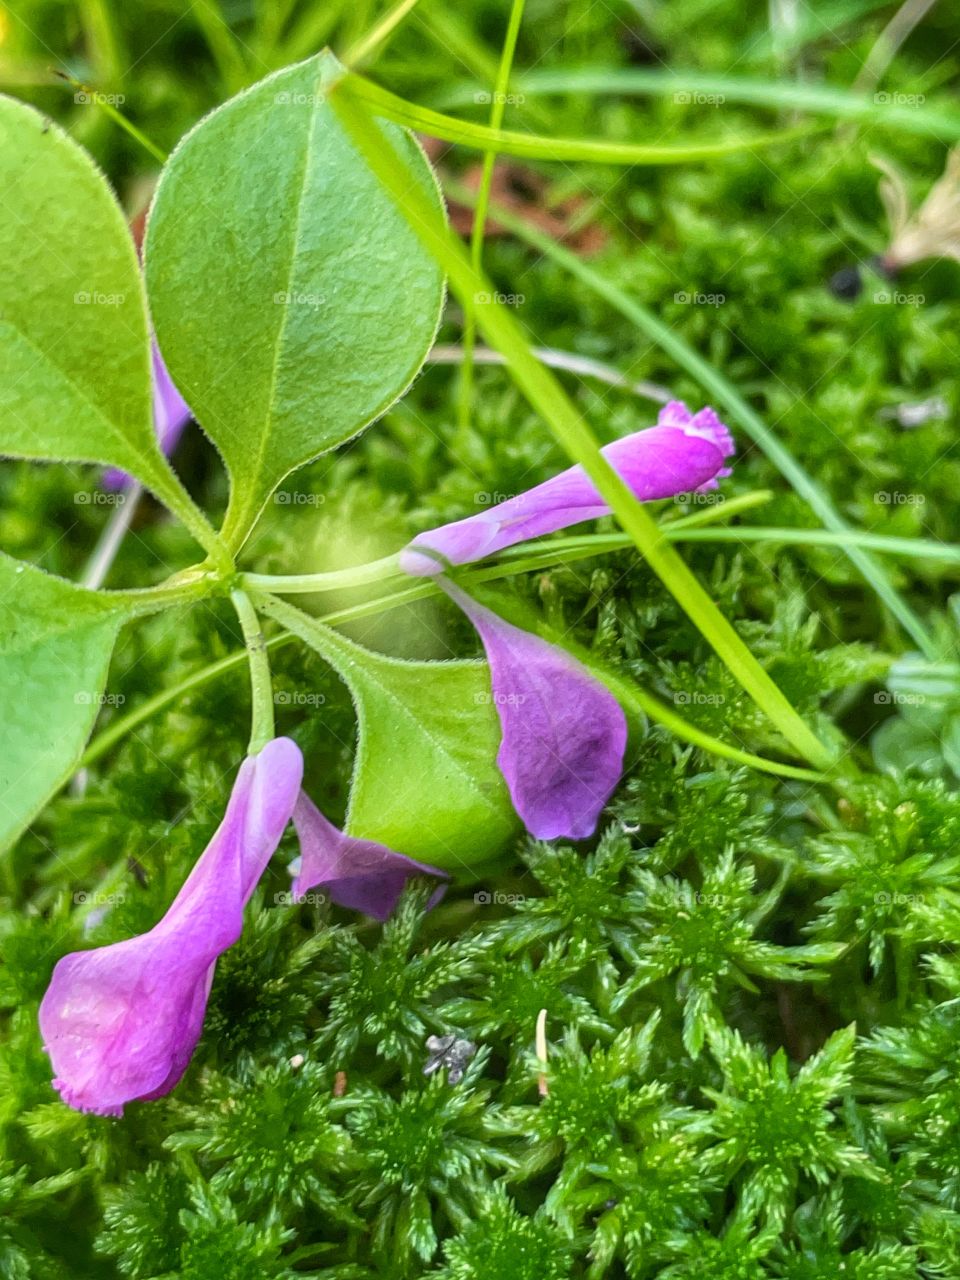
<point>425,779</point>
<point>55,645</point>
<point>74,346</point>
<point>292,302</point>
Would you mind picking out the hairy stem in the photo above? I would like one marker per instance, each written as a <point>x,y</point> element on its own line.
<point>261,686</point>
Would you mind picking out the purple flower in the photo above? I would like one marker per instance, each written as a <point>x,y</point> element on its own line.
<point>564,733</point>
<point>121,1022</point>
<point>683,452</point>
<point>359,874</point>
<point>171,413</point>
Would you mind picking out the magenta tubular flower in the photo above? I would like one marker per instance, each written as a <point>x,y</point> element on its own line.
<point>359,874</point>
<point>171,413</point>
<point>121,1022</point>
<point>564,733</point>
<point>683,452</point>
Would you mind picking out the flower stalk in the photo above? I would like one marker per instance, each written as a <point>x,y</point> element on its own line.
<point>261,685</point>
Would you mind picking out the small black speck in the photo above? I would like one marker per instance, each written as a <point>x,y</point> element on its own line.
<point>846,284</point>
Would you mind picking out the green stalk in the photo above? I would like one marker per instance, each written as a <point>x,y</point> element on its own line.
<point>719,387</point>
<point>118,729</point>
<point>497,108</point>
<point>166,485</point>
<point>223,45</point>
<point>914,548</point>
<point>778,95</point>
<point>337,579</point>
<point>369,43</point>
<point>533,556</point>
<point>536,147</point>
<point>548,398</point>
<point>261,686</point>
<point>116,116</point>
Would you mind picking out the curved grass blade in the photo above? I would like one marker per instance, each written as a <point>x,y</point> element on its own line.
<point>548,398</point>
<point>778,95</point>
<point>535,147</point>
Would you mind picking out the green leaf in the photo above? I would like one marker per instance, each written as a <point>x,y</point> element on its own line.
<point>292,302</point>
<point>74,344</point>
<point>425,780</point>
<point>55,645</point>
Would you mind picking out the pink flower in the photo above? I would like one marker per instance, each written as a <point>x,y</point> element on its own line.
<point>683,452</point>
<point>121,1022</point>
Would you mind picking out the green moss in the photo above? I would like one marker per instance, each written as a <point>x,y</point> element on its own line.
<point>750,985</point>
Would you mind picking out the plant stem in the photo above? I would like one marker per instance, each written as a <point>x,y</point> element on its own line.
<point>116,116</point>
<point>108,544</point>
<point>118,729</point>
<point>360,51</point>
<point>261,686</point>
<point>548,398</point>
<point>567,361</point>
<point>304,583</point>
<point>497,107</point>
<point>543,554</point>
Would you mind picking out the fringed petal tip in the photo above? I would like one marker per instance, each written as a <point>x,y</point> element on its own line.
<point>705,424</point>
<point>75,1099</point>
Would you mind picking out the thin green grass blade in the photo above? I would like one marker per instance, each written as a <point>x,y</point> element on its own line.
<point>549,399</point>
<point>535,147</point>
<point>779,95</point>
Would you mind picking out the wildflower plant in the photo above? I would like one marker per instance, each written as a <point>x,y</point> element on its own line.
<point>594,928</point>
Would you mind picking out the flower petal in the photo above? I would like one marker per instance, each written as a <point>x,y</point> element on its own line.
<point>121,1022</point>
<point>359,874</point>
<point>564,733</point>
<point>171,413</point>
<point>683,452</point>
